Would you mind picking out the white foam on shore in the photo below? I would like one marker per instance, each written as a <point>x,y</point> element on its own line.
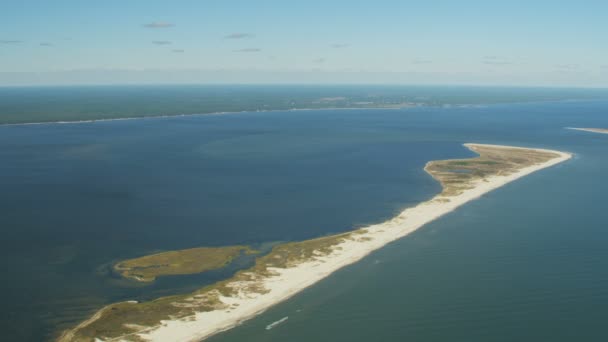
<point>274,324</point>
<point>290,281</point>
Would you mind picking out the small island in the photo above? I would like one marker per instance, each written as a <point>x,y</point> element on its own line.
<point>592,130</point>
<point>290,267</point>
<point>186,261</point>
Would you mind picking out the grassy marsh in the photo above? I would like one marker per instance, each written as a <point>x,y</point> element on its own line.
<point>186,261</point>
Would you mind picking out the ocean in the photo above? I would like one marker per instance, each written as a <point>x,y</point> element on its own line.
<point>526,262</point>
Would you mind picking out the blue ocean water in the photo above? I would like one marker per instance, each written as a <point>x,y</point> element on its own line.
<point>525,262</point>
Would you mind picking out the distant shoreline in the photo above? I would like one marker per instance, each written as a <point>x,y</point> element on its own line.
<point>75,122</point>
<point>379,107</point>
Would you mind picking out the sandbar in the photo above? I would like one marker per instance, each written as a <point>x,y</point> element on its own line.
<point>592,130</point>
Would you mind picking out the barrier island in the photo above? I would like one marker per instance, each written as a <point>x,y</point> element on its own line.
<point>290,267</point>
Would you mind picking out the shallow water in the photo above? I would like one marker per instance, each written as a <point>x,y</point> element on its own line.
<point>514,265</point>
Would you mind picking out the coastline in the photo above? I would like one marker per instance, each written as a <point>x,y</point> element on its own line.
<point>74,122</point>
<point>288,281</point>
<point>291,281</point>
<point>397,107</point>
<point>412,105</point>
<point>591,130</point>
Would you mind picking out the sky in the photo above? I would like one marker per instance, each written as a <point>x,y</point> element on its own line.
<point>529,43</point>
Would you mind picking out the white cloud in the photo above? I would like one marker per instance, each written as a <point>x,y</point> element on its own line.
<point>339,45</point>
<point>567,66</point>
<point>239,36</point>
<point>159,24</point>
<point>248,50</point>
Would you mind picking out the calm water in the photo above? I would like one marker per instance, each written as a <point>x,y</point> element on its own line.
<point>527,262</point>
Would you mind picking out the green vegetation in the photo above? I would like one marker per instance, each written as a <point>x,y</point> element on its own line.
<point>78,103</point>
<point>187,261</point>
<point>126,320</point>
<point>457,175</point>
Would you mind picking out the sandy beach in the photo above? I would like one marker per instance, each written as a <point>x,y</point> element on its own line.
<point>289,281</point>
<point>592,130</point>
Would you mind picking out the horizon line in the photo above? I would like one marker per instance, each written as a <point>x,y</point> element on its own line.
<point>302,84</point>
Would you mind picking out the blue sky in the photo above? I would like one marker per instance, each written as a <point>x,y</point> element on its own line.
<point>558,43</point>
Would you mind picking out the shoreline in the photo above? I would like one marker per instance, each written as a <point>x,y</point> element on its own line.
<point>289,281</point>
<point>397,107</point>
<point>165,116</point>
<point>590,130</point>
<point>413,105</point>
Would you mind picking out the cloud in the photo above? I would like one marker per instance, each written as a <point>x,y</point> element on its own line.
<point>567,66</point>
<point>339,46</point>
<point>162,42</point>
<point>319,60</point>
<point>46,44</point>
<point>159,24</point>
<point>422,61</point>
<point>239,36</point>
<point>497,63</point>
<point>178,51</point>
<point>248,50</point>
<point>604,66</point>
<point>11,41</point>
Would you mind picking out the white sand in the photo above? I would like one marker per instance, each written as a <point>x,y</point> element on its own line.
<point>290,281</point>
<point>592,130</point>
